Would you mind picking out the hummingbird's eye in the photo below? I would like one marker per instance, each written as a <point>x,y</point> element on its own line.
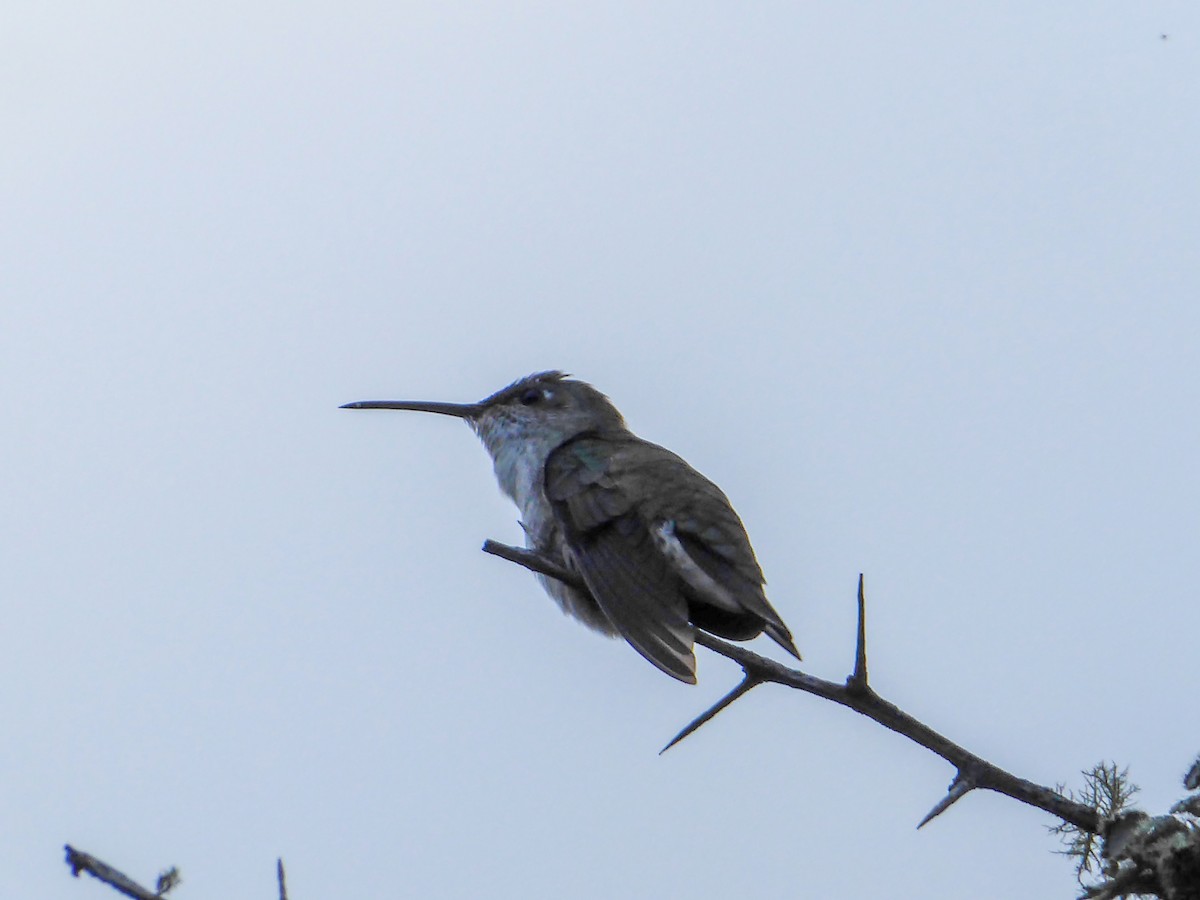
<point>531,396</point>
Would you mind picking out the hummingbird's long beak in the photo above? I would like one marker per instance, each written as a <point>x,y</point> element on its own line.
<point>459,410</point>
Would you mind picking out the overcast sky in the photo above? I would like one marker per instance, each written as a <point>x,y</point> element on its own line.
<point>917,284</point>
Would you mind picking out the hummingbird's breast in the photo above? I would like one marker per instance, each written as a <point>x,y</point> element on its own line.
<point>519,460</point>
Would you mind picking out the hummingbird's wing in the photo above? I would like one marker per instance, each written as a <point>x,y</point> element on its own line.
<point>697,544</point>
<point>616,555</point>
<point>708,542</point>
<point>699,531</point>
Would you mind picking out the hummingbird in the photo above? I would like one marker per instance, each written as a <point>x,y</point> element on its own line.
<point>658,546</point>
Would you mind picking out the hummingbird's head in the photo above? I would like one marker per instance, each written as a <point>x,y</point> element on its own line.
<point>545,408</point>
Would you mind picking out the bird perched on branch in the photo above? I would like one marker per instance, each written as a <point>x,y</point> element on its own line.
<point>657,544</point>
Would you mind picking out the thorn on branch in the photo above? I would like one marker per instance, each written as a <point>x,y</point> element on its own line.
<point>857,682</point>
<point>750,681</point>
<point>959,788</point>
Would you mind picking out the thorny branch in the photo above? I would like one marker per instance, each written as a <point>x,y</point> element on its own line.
<point>85,862</point>
<point>122,883</point>
<point>971,771</point>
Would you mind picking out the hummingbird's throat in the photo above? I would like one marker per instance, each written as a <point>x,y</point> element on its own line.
<point>519,450</point>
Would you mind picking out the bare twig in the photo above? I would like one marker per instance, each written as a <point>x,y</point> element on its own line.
<point>971,771</point>
<point>282,879</point>
<point>533,561</point>
<point>85,862</point>
<point>1108,790</point>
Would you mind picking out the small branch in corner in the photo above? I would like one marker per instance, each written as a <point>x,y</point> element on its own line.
<point>102,871</point>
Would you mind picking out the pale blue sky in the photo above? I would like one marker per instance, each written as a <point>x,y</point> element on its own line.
<point>916,284</point>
